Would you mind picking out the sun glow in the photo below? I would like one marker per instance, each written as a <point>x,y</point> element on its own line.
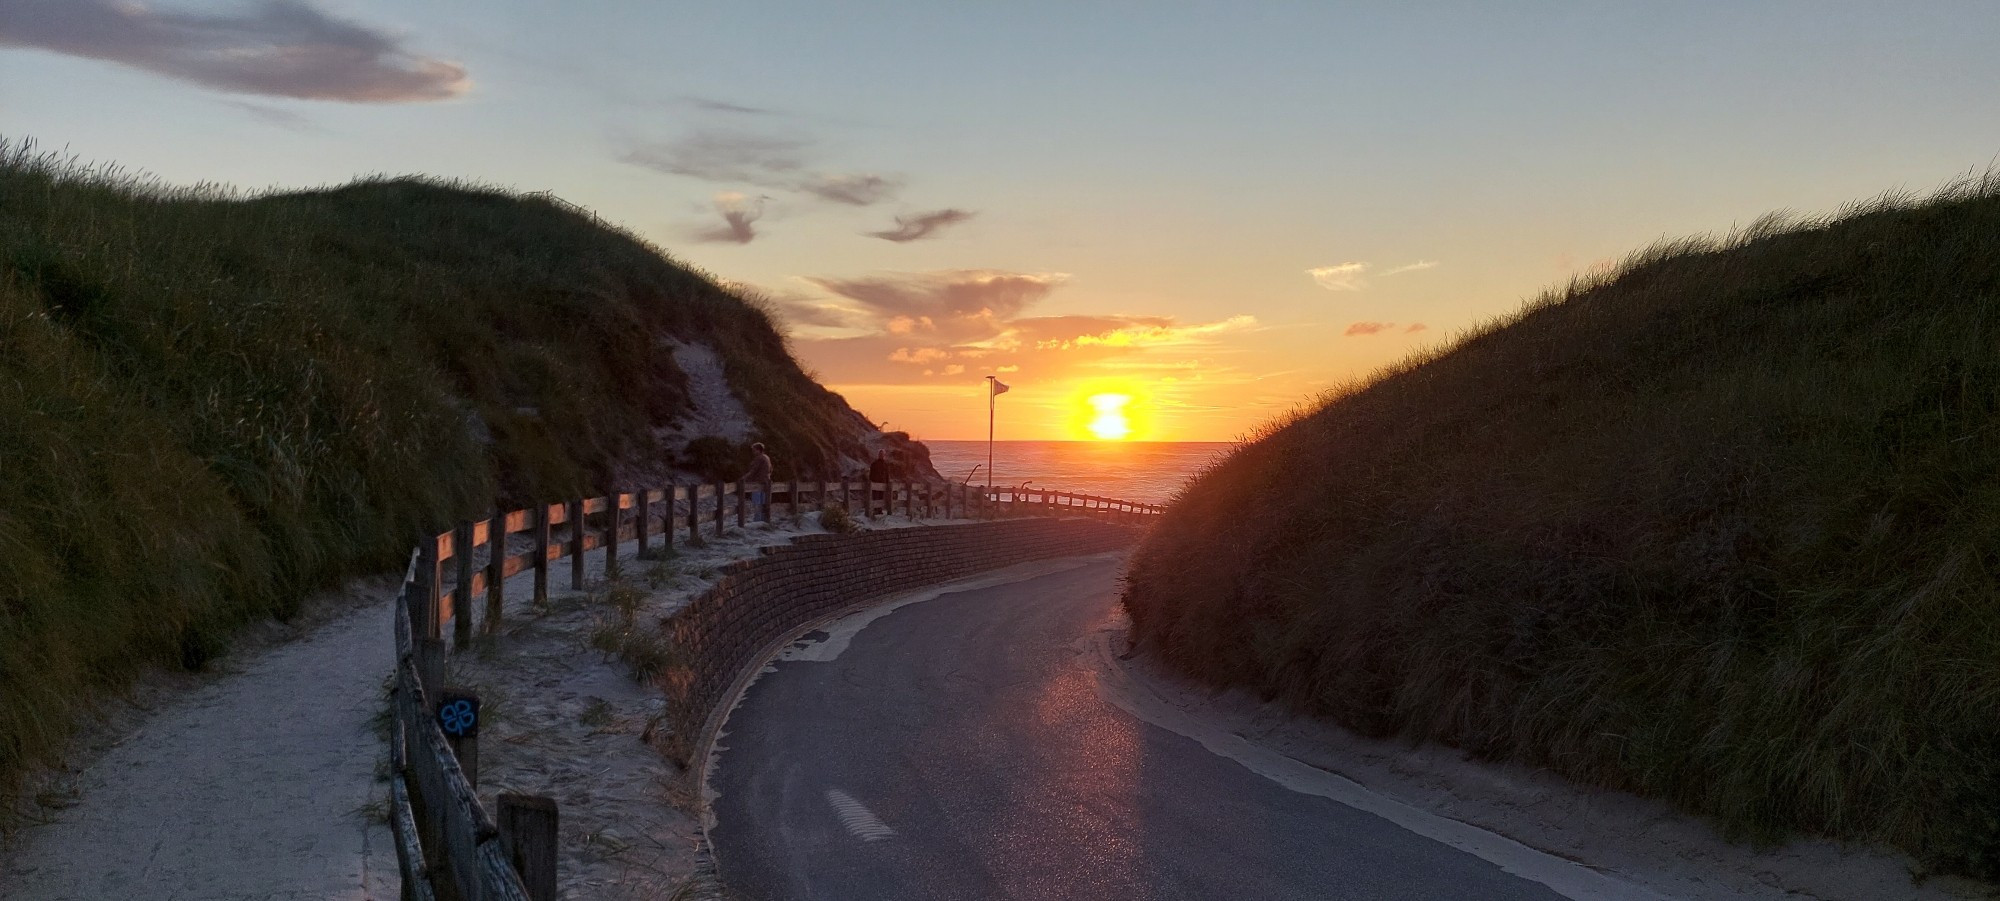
<point>1108,422</point>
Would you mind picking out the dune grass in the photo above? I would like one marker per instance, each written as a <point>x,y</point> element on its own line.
<point>1719,526</point>
<point>212,403</point>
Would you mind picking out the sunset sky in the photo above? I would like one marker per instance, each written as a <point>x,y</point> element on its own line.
<point>1216,209</point>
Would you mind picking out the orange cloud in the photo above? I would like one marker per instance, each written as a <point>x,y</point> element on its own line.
<point>1368,328</point>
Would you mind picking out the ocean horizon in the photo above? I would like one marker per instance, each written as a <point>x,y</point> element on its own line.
<point>1143,471</point>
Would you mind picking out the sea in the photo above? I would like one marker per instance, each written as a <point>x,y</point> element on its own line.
<point>1147,472</point>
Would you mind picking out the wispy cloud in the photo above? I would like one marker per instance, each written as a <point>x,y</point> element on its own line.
<point>763,160</point>
<point>271,115</point>
<point>772,162</point>
<point>1352,276</point>
<point>723,106</point>
<point>1416,327</point>
<point>922,225</point>
<point>738,213</point>
<point>1369,328</point>
<point>924,325</point>
<point>912,301</point>
<point>1153,332</point>
<point>1339,276</point>
<point>1417,266</point>
<point>854,190</point>
<point>279,48</point>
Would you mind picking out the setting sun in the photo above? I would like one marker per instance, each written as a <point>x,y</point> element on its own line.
<point>1108,422</point>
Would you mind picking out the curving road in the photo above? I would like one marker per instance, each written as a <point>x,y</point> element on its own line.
<point>959,748</point>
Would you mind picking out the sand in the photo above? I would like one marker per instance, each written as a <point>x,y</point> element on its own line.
<point>266,777</point>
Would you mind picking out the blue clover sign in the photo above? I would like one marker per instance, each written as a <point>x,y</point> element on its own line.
<point>459,717</point>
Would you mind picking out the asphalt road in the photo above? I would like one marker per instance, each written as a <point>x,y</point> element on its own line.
<point>958,748</point>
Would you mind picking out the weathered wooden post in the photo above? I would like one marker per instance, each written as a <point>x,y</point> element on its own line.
<point>742,504</point>
<point>576,545</point>
<point>422,593</point>
<point>720,494</point>
<point>541,555</point>
<point>461,607</point>
<point>764,506</point>
<point>643,509</point>
<point>457,715</point>
<point>496,569</point>
<point>612,502</point>
<point>694,514</point>
<point>846,496</point>
<point>528,836</point>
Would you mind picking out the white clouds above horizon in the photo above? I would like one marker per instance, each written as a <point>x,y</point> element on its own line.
<point>1353,275</point>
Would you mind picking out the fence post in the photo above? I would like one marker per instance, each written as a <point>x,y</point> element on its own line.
<point>461,599</point>
<point>541,555</point>
<point>846,496</point>
<point>643,510</point>
<point>742,504</point>
<point>423,600</point>
<point>464,742</point>
<point>576,544</point>
<point>496,568</point>
<point>764,506</point>
<point>611,517</point>
<point>430,667</point>
<point>694,514</point>
<point>720,494</point>
<point>528,836</point>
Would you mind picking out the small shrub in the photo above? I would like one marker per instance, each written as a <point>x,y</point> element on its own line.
<point>835,518</point>
<point>597,714</point>
<point>625,598</point>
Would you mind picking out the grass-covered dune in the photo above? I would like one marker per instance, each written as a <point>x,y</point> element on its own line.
<point>1720,526</point>
<point>211,404</point>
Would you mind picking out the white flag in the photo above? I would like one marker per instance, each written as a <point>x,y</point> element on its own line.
<point>999,387</point>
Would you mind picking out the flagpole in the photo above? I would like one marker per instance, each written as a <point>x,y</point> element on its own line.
<point>989,435</point>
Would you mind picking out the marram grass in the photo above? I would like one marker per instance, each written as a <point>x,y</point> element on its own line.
<point>212,403</point>
<point>1719,526</point>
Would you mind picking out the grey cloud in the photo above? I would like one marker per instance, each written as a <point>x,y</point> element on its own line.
<point>856,190</point>
<point>725,156</point>
<point>948,294</point>
<point>922,225</point>
<point>766,161</point>
<point>280,48</point>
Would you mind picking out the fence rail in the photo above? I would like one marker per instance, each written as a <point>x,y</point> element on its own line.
<point>447,844</point>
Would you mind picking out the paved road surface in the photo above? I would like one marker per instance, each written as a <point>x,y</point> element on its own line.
<point>958,748</point>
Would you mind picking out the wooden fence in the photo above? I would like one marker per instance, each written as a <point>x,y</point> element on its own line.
<point>448,845</point>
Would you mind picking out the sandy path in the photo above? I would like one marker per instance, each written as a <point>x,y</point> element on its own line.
<point>253,786</point>
<point>265,779</point>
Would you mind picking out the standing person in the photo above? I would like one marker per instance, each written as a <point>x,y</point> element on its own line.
<point>879,471</point>
<point>759,478</point>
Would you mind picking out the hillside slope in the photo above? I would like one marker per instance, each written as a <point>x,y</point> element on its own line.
<point>211,404</point>
<point>1721,526</point>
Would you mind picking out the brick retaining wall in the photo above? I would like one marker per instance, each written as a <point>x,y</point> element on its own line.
<point>761,600</point>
